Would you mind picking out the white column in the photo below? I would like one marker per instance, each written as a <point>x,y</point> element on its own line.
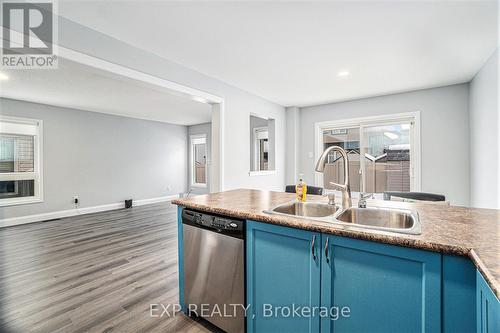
<point>292,144</point>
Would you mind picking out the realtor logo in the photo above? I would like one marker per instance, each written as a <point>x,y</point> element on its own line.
<point>28,35</point>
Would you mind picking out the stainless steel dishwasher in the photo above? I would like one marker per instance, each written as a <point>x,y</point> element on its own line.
<point>214,268</point>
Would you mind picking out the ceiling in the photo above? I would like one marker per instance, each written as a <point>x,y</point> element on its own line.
<point>291,52</point>
<point>82,87</point>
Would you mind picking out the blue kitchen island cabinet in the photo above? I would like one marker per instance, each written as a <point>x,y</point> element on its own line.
<point>387,288</point>
<point>487,307</point>
<point>364,286</point>
<point>283,271</point>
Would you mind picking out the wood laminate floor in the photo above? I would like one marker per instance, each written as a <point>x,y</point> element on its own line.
<point>92,273</point>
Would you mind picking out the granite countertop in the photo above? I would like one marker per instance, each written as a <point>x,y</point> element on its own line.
<point>462,231</point>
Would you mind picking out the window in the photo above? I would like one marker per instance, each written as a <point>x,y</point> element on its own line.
<point>20,161</point>
<point>199,161</point>
<point>384,153</point>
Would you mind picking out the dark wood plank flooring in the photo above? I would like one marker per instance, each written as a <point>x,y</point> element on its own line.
<point>92,273</point>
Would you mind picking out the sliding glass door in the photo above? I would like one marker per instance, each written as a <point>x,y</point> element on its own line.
<point>349,139</point>
<point>387,158</point>
<point>382,155</point>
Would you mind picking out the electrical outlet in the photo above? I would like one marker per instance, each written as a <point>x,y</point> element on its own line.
<point>169,188</point>
<point>76,200</point>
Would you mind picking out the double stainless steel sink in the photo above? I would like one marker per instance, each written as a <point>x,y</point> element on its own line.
<point>305,209</point>
<point>387,219</point>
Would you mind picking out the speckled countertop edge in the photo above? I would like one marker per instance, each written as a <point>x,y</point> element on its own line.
<point>255,212</point>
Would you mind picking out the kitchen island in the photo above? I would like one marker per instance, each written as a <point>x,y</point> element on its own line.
<point>445,279</point>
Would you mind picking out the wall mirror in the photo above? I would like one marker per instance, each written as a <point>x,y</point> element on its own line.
<point>262,144</point>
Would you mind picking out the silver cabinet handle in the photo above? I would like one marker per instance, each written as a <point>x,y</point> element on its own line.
<point>312,247</point>
<point>326,251</point>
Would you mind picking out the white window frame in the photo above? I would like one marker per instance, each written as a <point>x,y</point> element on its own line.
<point>389,119</point>
<point>193,140</point>
<point>15,127</point>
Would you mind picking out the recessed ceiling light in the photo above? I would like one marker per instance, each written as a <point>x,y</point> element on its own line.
<point>343,73</point>
<point>3,77</point>
<point>391,135</point>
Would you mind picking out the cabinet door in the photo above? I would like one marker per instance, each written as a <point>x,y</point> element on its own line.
<point>386,288</point>
<point>487,307</point>
<point>458,295</point>
<point>283,271</point>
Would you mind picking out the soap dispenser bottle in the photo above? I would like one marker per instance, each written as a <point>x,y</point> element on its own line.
<point>301,189</point>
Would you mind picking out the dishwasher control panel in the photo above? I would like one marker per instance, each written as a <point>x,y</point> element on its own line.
<point>216,223</point>
<point>223,223</point>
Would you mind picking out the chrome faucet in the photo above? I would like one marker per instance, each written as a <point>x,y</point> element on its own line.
<point>331,197</point>
<point>362,199</point>
<point>345,188</point>
<point>362,195</point>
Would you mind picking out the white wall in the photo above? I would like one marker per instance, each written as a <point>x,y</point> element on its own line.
<point>485,136</point>
<point>444,134</point>
<point>101,158</point>
<point>206,129</point>
<point>238,103</point>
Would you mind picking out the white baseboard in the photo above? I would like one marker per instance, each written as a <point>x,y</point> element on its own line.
<point>143,202</point>
<point>78,211</point>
